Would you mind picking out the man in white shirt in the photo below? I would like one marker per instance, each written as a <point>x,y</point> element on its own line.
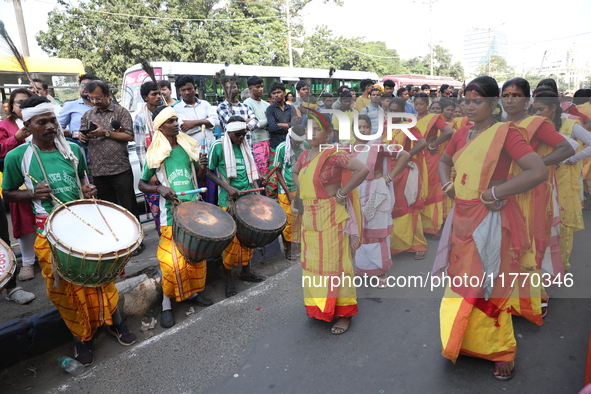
<point>194,113</point>
<point>260,136</point>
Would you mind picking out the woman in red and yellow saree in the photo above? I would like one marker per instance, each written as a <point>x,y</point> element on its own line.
<point>407,228</point>
<point>538,203</point>
<point>484,237</point>
<point>376,195</point>
<point>568,172</point>
<point>436,132</point>
<point>329,199</point>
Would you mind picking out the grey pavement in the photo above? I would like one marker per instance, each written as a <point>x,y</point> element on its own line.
<point>262,341</point>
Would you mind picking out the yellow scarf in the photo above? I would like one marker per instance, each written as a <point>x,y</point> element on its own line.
<point>160,148</point>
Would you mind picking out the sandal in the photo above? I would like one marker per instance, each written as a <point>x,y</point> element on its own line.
<point>230,290</point>
<point>254,277</point>
<point>20,296</point>
<point>341,326</point>
<point>544,305</point>
<point>420,255</point>
<point>383,283</point>
<point>499,364</point>
<point>26,273</point>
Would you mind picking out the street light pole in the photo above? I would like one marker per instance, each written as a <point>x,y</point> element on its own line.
<point>289,49</point>
<point>20,21</point>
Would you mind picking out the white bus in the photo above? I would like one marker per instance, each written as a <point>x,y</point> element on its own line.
<point>211,91</point>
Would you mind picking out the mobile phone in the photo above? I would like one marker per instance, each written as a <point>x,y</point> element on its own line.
<point>92,127</point>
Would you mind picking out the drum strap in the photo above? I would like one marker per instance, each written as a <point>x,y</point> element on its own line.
<point>55,203</point>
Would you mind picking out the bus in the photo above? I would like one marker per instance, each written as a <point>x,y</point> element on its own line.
<point>417,80</point>
<point>60,74</point>
<point>208,89</point>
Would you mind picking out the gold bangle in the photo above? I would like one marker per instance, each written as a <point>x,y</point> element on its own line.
<point>484,201</point>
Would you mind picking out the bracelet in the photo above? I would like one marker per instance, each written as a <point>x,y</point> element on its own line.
<point>157,187</point>
<point>448,187</point>
<point>445,188</point>
<point>389,177</point>
<point>431,147</point>
<point>493,193</point>
<point>484,201</point>
<point>339,195</point>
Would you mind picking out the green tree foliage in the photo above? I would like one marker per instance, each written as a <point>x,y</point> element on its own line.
<point>442,64</point>
<point>322,49</point>
<point>108,43</point>
<point>497,68</point>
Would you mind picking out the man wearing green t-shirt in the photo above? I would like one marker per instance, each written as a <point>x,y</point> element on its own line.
<point>175,160</point>
<point>233,159</point>
<point>59,166</point>
<point>286,156</point>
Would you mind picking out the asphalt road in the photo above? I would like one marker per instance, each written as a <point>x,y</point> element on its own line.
<point>262,341</point>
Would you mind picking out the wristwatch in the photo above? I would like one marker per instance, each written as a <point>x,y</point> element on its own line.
<point>107,134</point>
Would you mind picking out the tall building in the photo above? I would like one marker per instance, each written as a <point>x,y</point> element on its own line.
<point>480,44</point>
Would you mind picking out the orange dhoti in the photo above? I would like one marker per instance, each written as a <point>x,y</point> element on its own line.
<point>236,254</point>
<point>291,232</point>
<point>180,278</point>
<point>84,309</point>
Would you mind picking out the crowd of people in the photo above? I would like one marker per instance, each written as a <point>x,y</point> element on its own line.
<point>494,174</point>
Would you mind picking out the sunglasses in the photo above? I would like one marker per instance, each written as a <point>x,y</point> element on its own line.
<point>240,134</point>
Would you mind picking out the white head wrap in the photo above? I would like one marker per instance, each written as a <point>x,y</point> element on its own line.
<point>42,108</point>
<point>236,126</point>
<point>60,140</point>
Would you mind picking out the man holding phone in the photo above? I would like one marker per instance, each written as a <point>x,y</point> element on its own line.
<point>107,146</point>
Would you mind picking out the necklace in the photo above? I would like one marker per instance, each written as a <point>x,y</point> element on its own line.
<point>474,132</point>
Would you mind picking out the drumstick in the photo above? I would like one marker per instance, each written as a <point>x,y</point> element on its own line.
<point>201,190</point>
<point>99,209</point>
<point>68,208</point>
<point>271,173</point>
<point>260,189</point>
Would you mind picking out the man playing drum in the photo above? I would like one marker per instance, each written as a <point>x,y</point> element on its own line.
<point>232,157</point>
<point>174,158</point>
<point>60,165</point>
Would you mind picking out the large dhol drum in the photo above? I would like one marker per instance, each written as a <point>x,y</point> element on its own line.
<point>81,255</point>
<point>201,230</point>
<point>7,264</point>
<point>260,220</point>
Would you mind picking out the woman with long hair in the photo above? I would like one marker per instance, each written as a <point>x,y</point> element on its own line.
<point>546,103</point>
<point>484,236</point>
<point>538,203</point>
<point>407,231</point>
<point>376,194</point>
<point>436,132</point>
<point>13,134</point>
<point>327,179</point>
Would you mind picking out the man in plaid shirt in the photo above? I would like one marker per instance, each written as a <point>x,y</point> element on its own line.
<point>231,107</point>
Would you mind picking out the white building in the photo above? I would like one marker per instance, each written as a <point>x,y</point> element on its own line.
<point>480,45</point>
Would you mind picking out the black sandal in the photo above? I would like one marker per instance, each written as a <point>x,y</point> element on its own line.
<point>230,290</point>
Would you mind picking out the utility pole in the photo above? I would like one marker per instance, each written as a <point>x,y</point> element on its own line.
<point>289,49</point>
<point>20,21</point>
<point>430,4</point>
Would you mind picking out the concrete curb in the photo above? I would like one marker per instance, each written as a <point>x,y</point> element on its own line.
<point>34,335</point>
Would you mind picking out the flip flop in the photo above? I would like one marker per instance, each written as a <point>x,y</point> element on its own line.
<point>420,255</point>
<point>230,290</point>
<point>383,284</point>
<point>544,305</point>
<point>337,325</point>
<point>499,364</point>
<point>254,277</point>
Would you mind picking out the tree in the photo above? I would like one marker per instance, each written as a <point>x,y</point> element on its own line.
<point>443,64</point>
<point>497,68</point>
<point>108,43</point>
<point>417,65</point>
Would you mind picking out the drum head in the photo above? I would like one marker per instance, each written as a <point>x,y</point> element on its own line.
<point>7,264</point>
<point>260,212</point>
<point>205,220</point>
<point>67,231</point>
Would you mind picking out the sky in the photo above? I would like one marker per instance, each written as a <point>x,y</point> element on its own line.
<point>408,25</point>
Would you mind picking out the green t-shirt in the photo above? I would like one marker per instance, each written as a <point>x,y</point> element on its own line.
<point>60,173</point>
<point>285,169</point>
<point>178,177</point>
<point>216,161</point>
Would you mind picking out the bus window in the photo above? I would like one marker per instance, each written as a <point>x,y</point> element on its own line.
<point>65,87</point>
